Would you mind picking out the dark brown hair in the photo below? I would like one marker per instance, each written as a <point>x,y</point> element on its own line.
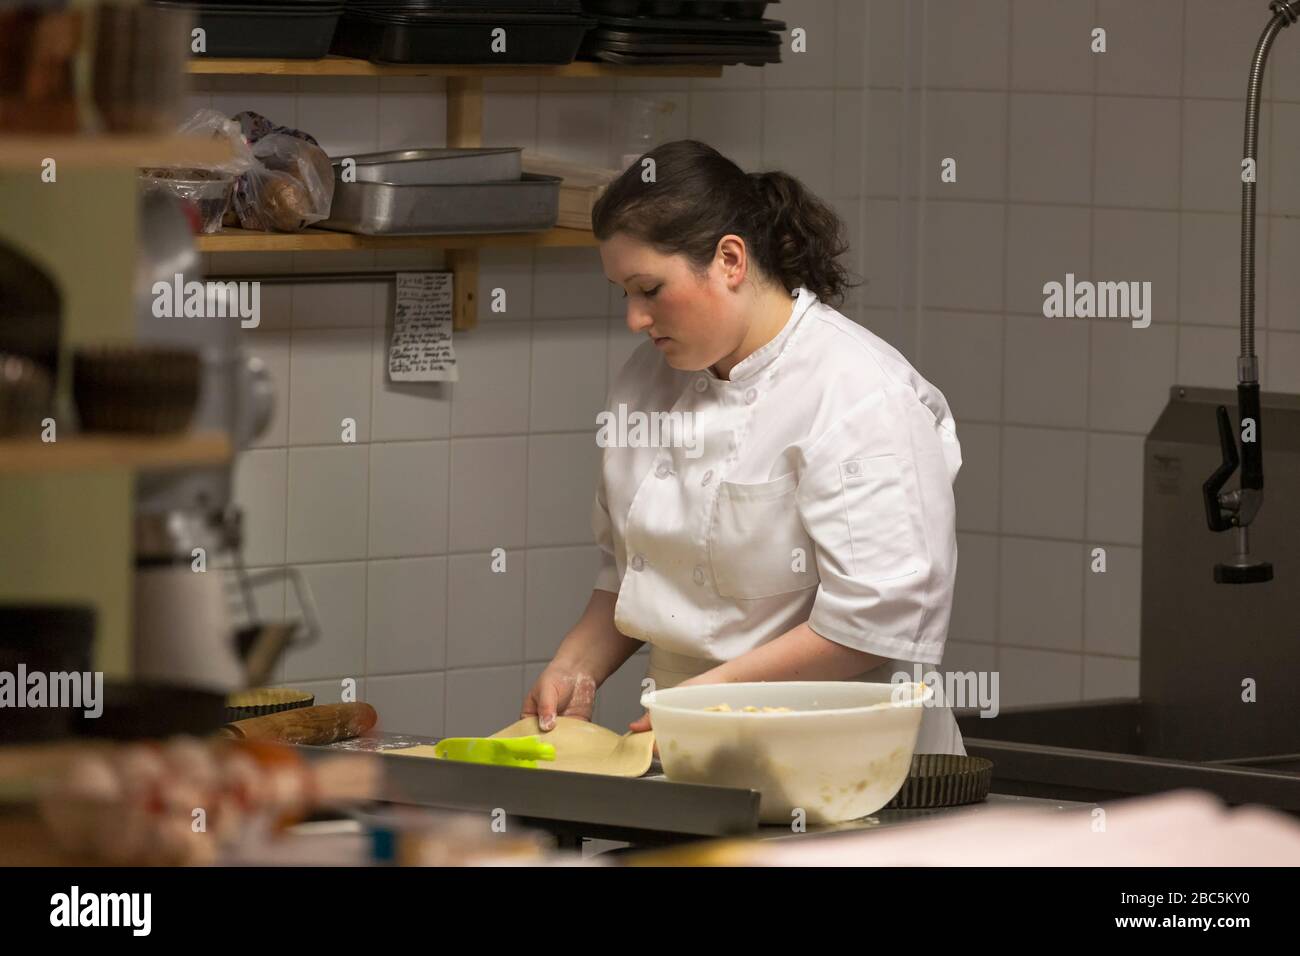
<point>698,196</point>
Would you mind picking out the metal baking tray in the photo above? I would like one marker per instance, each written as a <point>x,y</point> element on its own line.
<point>428,167</point>
<point>529,204</point>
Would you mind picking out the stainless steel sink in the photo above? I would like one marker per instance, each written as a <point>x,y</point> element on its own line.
<point>1098,751</point>
<point>1218,705</point>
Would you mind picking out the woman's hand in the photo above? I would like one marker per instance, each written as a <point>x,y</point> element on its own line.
<point>562,690</point>
<point>642,723</point>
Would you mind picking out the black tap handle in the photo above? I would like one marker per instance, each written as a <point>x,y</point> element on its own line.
<point>1214,484</point>
<point>1252,452</point>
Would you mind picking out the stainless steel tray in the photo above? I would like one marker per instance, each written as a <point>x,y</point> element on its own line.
<point>530,204</point>
<point>442,166</point>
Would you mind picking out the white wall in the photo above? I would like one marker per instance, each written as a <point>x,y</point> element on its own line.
<point>394,532</point>
<point>1118,166</point>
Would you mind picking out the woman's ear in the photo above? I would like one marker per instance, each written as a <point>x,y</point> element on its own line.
<point>732,259</point>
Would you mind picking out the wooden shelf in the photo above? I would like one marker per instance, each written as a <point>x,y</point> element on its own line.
<point>93,452</point>
<point>322,240</point>
<point>110,150</point>
<point>347,66</point>
<point>464,128</point>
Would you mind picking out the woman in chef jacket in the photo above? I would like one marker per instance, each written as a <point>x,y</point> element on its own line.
<point>799,523</point>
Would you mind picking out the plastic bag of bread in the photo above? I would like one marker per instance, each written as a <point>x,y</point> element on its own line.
<point>293,184</point>
<point>218,126</point>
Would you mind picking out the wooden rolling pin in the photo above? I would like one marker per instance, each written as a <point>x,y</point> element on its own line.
<point>307,725</point>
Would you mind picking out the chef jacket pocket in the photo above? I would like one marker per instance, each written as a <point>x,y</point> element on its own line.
<point>755,534</point>
<point>882,538</point>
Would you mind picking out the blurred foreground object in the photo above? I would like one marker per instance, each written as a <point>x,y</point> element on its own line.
<point>182,801</point>
<point>1178,828</point>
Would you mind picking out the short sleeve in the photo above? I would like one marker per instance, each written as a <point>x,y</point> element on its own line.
<point>876,498</point>
<point>607,575</point>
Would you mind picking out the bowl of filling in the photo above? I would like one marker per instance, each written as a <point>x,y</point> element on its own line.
<point>817,751</point>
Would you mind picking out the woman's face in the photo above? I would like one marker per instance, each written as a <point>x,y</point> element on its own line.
<point>695,319</point>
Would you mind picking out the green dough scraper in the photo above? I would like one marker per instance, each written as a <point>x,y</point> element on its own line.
<point>501,751</point>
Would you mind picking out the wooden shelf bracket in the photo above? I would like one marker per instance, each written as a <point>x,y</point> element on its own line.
<point>464,131</point>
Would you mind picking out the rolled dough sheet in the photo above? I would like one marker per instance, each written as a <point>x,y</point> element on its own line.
<point>580,747</point>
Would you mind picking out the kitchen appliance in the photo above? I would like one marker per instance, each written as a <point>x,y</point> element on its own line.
<point>1191,724</point>
<point>186,524</point>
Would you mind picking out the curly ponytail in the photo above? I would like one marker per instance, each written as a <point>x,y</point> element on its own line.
<point>805,237</point>
<point>697,196</point>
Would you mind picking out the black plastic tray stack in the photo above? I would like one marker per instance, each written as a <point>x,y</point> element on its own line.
<point>275,29</point>
<point>461,31</point>
<point>682,32</point>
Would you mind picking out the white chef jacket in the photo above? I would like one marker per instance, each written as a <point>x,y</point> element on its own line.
<point>817,487</point>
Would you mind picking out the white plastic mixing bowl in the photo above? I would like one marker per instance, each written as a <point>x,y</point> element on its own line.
<point>842,751</point>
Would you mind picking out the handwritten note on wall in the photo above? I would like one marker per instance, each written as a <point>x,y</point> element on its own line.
<point>421,349</point>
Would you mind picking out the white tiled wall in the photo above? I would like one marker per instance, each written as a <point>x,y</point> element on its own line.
<point>1121,166</point>
<point>396,531</point>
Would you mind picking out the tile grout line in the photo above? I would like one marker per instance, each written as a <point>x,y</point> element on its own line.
<point>1092,336</point>
<point>1178,247</point>
<point>976,200</point>
<point>998,609</point>
<point>370,457</point>
<point>910,224</point>
<point>528,445</point>
<point>915,214</point>
<point>864,153</point>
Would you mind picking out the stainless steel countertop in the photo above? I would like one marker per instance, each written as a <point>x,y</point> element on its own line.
<point>878,820</point>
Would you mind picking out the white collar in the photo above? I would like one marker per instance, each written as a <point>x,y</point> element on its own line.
<point>765,355</point>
